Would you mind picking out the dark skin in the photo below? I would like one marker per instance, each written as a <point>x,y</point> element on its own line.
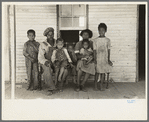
<point>85,35</point>
<point>102,32</point>
<point>50,40</point>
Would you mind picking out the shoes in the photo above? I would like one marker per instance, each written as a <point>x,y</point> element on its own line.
<point>83,88</point>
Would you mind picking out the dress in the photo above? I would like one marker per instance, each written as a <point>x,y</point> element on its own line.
<point>30,51</point>
<point>101,45</point>
<point>89,68</point>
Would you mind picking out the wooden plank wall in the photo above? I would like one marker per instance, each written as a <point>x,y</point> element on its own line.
<point>37,17</point>
<point>121,21</point>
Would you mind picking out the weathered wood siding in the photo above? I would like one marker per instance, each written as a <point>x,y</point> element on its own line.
<point>121,21</point>
<point>37,17</point>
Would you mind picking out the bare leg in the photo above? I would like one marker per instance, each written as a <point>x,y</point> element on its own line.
<point>79,76</point>
<point>85,78</point>
<point>96,81</point>
<point>101,84</point>
<point>56,75</point>
<point>77,89</point>
<point>65,75</point>
<point>83,82</point>
<point>107,81</point>
<point>61,73</point>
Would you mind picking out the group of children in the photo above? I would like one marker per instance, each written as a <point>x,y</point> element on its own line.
<point>66,58</point>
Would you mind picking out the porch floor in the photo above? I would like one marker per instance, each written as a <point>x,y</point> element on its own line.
<point>116,90</point>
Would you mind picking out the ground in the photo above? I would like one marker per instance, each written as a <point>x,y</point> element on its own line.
<point>116,91</point>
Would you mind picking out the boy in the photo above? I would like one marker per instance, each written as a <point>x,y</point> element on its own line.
<point>30,51</point>
<point>61,60</point>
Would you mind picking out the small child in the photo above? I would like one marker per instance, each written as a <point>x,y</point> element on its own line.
<point>30,51</point>
<point>101,46</point>
<point>87,52</point>
<point>61,59</point>
<point>73,57</point>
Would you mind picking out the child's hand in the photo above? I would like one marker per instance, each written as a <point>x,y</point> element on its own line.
<point>110,63</point>
<point>47,63</point>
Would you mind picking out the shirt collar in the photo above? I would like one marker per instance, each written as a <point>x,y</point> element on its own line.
<point>49,44</point>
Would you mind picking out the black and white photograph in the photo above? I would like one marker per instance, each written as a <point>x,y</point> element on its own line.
<point>78,51</point>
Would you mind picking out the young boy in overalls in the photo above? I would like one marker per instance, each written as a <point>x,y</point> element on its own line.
<point>30,51</point>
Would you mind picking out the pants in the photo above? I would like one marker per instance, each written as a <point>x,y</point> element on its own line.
<point>32,75</point>
<point>47,75</point>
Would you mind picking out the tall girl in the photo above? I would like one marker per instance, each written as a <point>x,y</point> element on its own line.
<point>101,46</point>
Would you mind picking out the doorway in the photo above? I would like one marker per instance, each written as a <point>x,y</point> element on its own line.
<point>141,44</point>
<point>70,36</point>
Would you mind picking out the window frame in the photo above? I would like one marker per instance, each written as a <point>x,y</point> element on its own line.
<point>72,16</point>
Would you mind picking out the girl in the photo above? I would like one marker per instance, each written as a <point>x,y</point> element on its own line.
<point>60,58</point>
<point>87,52</point>
<point>101,46</point>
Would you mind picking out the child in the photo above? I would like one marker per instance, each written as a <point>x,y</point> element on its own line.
<point>87,52</point>
<point>60,58</point>
<point>101,46</point>
<point>73,57</point>
<point>30,51</point>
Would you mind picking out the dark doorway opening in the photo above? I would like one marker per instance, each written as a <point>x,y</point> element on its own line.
<point>141,44</point>
<point>70,36</point>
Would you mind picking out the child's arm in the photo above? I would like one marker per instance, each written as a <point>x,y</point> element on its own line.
<point>67,55</point>
<point>26,54</point>
<point>109,61</point>
<point>108,46</point>
<point>53,57</point>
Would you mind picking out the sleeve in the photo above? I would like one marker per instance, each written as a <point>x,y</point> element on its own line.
<point>108,44</point>
<point>91,44</point>
<point>67,55</point>
<point>53,57</point>
<point>94,45</point>
<point>77,47</point>
<point>25,53</point>
<point>41,53</point>
<point>82,51</point>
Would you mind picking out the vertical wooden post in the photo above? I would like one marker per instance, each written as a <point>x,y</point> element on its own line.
<point>137,45</point>
<point>58,31</point>
<point>87,8</point>
<point>13,49</point>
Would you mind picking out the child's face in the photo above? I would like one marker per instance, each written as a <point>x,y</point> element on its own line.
<point>70,48</point>
<point>85,35</point>
<point>50,35</point>
<point>31,36</point>
<point>102,32</point>
<point>60,44</point>
<point>85,45</point>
